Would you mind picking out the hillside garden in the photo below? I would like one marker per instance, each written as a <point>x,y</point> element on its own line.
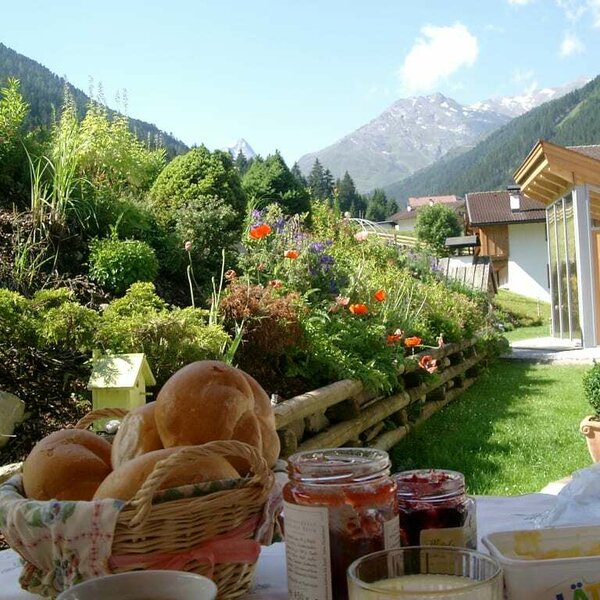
<point>118,250</point>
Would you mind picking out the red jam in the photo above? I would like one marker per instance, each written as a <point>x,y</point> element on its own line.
<point>434,509</point>
<point>348,509</point>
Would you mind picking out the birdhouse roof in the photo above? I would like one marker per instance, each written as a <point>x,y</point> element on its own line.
<point>119,371</point>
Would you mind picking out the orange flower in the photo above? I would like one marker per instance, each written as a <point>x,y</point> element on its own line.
<point>428,363</point>
<point>275,283</point>
<point>260,231</point>
<point>230,275</point>
<point>393,338</point>
<point>379,295</point>
<point>358,309</point>
<point>411,342</point>
<point>291,254</point>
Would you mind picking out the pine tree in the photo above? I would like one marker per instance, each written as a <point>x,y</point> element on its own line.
<point>346,193</point>
<point>297,173</point>
<point>378,206</point>
<point>320,182</point>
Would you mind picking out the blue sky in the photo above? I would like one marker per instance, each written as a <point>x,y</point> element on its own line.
<point>298,75</point>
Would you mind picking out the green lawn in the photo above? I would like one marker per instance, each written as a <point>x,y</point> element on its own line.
<point>526,333</point>
<point>512,432</point>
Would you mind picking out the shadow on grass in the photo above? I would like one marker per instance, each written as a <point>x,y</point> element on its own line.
<point>461,436</point>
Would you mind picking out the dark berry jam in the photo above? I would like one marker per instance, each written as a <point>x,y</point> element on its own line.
<point>434,509</point>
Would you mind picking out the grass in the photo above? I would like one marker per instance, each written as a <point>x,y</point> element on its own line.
<point>514,431</point>
<point>526,333</point>
<point>520,310</point>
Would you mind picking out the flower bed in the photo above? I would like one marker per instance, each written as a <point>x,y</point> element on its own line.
<point>345,413</point>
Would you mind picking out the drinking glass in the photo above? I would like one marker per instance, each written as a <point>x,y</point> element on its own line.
<point>425,573</point>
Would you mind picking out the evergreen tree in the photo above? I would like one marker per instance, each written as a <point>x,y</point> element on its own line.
<point>378,206</point>
<point>346,193</point>
<point>242,164</point>
<point>297,173</point>
<point>320,182</point>
<point>271,180</point>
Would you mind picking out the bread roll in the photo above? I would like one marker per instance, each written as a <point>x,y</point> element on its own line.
<point>66,465</point>
<point>210,400</point>
<point>137,435</point>
<point>124,482</point>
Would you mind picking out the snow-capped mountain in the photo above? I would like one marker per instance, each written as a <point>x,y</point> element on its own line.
<point>415,132</point>
<point>409,135</point>
<point>241,146</point>
<point>513,106</point>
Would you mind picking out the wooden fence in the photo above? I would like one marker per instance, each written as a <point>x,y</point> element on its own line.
<point>344,414</point>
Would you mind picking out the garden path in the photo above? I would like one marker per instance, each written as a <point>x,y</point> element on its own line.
<point>552,350</point>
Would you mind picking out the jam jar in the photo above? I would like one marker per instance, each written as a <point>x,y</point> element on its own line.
<point>435,509</point>
<point>339,504</point>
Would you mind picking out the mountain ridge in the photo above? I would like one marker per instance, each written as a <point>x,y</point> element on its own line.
<point>572,119</point>
<point>43,90</point>
<point>413,133</point>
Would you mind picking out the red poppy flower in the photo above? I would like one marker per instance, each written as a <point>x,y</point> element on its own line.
<point>411,342</point>
<point>291,254</point>
<point>260,231</point>
<point>393,338</point>
<point>275,283</point>
<point>358,309</point>
<point>379,295</point>
<point>428,363</point>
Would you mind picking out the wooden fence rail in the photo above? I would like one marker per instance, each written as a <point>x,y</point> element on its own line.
<point>344,413</point>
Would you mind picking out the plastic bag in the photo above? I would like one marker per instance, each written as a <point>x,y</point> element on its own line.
<point>578,503</point>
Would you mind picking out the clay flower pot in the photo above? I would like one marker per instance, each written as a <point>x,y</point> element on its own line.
<point>590,427</point>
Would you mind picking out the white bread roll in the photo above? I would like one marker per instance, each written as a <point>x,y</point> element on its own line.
<point>66,465</point>
<point>124,482</point>
<point>210,400</point>
<point>137,435</point>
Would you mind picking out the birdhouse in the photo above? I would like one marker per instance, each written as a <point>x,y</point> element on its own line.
<point>120,380</point>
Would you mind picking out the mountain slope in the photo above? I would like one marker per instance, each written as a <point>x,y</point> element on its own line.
<point>573,119</point>
<point>44,90</point>
<point>409,135</point>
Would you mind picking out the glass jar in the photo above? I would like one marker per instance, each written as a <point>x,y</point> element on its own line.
<point>339,504</point>
<point>435,509</point>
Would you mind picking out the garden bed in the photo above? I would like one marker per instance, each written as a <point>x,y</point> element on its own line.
<point>345,414</point>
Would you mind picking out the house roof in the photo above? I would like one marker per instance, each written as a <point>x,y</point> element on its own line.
<point>415,202</point>
<point>119,371</point>
<point>404,215</point>
<point>487,208</point>
<point>462,241</point>
<point>549,171</point>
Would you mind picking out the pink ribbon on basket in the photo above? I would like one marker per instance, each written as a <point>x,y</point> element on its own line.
<point>230,547</point>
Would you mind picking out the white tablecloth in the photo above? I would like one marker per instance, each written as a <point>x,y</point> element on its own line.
<point>494,513</point>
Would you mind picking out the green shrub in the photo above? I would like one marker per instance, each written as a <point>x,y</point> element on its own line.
<point>436,223</point>
<point>142,322</point>
<point>17,327</point>
<point>591,388</point>
<point>116,264</point>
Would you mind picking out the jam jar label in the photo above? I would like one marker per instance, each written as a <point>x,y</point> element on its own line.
<point>306,531</point>
<point>391,533</point>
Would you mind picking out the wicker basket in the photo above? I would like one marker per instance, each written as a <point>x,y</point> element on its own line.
<point>176,527</point>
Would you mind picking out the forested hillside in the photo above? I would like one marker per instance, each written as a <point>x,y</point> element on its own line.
<point>44,92</point>
<point>571,120</point>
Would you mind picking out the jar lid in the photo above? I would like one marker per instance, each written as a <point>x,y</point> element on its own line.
<point>338,465</point>
<point>429,484</point>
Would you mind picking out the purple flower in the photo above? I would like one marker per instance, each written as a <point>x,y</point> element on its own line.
<point>279,225</point>
<point>256,216</point>
<point>317,247</point>
<point>326,259</point>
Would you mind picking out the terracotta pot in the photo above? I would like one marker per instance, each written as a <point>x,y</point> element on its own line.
<point>590,427</point>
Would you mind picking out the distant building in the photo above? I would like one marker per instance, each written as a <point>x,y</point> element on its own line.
<point>512,232</point>
<point>566,181</point>
<point>405,220</point>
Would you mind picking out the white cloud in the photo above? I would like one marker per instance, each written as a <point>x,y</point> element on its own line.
<point>571,45</point>
<point>520,2</point>
<point>575,10</point>
<point>439,53</point>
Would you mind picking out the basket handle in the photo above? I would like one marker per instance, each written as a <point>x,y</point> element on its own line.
<point>99,413</point>
<point>262,476</point>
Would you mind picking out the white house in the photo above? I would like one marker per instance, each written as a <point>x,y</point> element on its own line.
<point>405,220</point>
<point>512,232</point>
<point>566,181</point>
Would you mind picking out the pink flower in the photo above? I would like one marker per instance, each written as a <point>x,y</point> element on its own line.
<point>361,236</point>
<point>428,363</point>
